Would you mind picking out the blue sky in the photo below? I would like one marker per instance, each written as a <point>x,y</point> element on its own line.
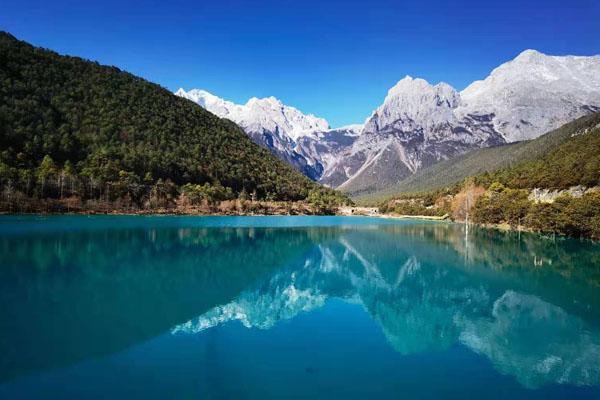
<point>336,59</point>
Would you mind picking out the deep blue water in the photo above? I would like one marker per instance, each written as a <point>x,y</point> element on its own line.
<point>293,307</point>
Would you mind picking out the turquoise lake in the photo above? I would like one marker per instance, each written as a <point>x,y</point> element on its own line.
<point>293,307</point>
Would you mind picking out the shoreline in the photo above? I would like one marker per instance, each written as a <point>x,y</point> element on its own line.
<point>166,213</point>
<point>233,207</point>
<point>170,212</point>
<point>420,217</point>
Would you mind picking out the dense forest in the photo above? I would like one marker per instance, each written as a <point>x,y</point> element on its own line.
<point>576,162</point>
<point>568,172</point>
<point>71,129</point>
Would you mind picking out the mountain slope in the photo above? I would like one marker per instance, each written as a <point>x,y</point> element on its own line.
<point>449,172</point>
<point>420,124</point>
<point>269,122</point>
<point>574,161</point>
<point>415,127</point>
<point>109,127</point>
<point>550,184</point>
<point>325,148</point>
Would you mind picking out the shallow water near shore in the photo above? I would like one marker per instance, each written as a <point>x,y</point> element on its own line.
<point>293,307</point>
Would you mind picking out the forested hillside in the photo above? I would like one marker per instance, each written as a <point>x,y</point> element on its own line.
<point>73,128</point>
<point>576,161</point>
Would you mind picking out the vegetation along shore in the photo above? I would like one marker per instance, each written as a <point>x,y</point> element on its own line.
<point>555,191</point>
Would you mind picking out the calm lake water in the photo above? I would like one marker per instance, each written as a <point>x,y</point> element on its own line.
<point>293,307</point>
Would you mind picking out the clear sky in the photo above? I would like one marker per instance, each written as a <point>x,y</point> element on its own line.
<point>335,59</point>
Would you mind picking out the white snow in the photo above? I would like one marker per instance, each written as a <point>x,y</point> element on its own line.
<point>535,93</point>
<point>258,115</point>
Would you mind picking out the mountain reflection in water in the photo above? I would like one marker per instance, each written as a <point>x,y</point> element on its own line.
<point>430,299</point>
<point>74,289</point>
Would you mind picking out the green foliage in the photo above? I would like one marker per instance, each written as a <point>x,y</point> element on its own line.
<point>576,161</point>
<point>46,169</point>
<point>75,128</point>
<point>423,199</point>
<point>412,208</point>
<point>207,192</point>
<point>326,201</point>
<point>501,204</point>
<point>568,215</point>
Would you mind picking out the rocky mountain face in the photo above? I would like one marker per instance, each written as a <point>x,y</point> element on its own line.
<point>327,148</point>
<point>419,124</point>
<point>416,126</point>
<point>535,93</point>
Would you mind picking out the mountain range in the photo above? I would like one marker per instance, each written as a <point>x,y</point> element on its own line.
<point>419,124</point>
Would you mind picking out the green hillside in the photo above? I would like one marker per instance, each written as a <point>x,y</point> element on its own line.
<point>571,158</point>
<point>450,172</point>
<point>72,127</point>
<point>574,162</point>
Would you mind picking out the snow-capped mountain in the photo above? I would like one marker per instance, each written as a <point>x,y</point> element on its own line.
<point>415,127</point>
<point>419,124</point>
<point>267,115</point>
<point>269,123</point>
<point>535,93</point>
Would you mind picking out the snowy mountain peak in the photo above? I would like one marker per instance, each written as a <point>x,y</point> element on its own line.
<point>529,54</point>
<point>265,102</point>
<point>406,85</point>
<point>414,101</point>
<point>409,85</point>
<point>535,93</point>
<point>352,128</point>
<point>266,115</point>
<point>421,91</point>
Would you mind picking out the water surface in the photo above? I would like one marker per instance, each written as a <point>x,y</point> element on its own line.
<point>296,307</point>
